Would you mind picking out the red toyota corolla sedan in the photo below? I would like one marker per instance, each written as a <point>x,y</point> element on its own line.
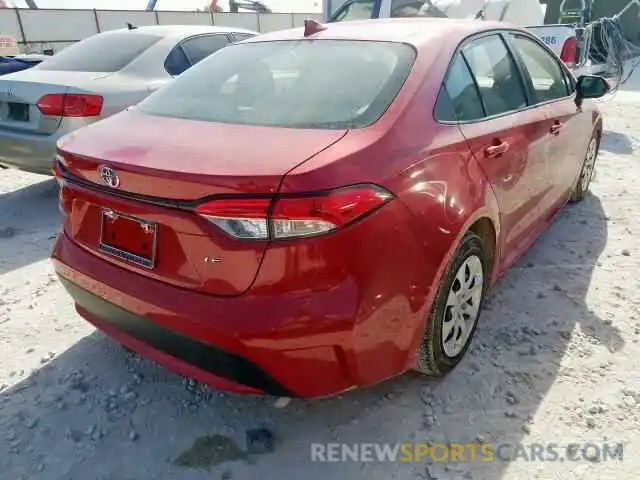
<point>320,209</point>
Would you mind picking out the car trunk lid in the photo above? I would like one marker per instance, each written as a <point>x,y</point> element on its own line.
<point>165,169</point>
<point>189,159</point>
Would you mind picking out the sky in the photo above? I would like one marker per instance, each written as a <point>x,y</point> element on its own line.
<point>276,5</point>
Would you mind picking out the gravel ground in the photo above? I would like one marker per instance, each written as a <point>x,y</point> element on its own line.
<point>556,360</point>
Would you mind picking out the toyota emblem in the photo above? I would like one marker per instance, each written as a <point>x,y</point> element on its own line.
<point>109,177</point>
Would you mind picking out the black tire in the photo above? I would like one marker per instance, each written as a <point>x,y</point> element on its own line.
<point>432,359</point>
<point>581,189</point>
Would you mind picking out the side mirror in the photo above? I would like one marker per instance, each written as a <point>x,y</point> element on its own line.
<point>591,86</point>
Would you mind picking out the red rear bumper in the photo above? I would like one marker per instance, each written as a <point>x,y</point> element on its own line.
<point>190,332</point>
<point>342,321</point>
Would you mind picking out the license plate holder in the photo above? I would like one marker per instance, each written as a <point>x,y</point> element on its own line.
<point>128,238</point>
<point>18,112</point>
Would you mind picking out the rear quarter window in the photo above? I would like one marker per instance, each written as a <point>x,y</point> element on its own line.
<point>459,99</point>
<point>105,52</point>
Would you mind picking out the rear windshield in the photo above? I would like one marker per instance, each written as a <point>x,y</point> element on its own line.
<point>106,52</point>
<point>295,84</point>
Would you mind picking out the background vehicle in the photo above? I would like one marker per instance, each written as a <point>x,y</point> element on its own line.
<point>232,260</point>
<point>19,63</point>
<point>93,79</point>
<point>524,13</point>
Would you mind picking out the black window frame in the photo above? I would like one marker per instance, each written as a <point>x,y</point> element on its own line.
<point>504,34</point>
<point>459,50</point>
<point>229,36</point>
<point>518,71</point>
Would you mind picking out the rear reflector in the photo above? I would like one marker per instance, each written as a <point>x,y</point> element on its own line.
<point>70,105</point>
<point>294,217</point>
<point>570,52</point>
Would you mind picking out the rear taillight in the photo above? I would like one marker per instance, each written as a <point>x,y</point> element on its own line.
<point>294,216</point>
<point>70,105</point>
<point>570,52</point>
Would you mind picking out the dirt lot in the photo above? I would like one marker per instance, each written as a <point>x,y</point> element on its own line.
<point>556,360</point>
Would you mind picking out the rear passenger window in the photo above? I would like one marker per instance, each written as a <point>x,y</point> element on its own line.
<point>458,99</point>
<point>198,48</point>
<point>495,72</point>
<point>547,76</point>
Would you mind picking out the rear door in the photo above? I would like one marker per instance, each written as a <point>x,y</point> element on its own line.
<point>510,142</point>
<point>552,89</point>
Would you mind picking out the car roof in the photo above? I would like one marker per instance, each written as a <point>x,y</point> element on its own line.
<point>168,31</point>
<point>417,31</point>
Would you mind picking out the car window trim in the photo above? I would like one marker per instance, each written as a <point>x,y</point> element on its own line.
<point>516,52</point>
<point>519,72</point>
<point>459,50</point>
<point>476,85</point>
<point>443,87</point>
<point>525,78</point>
<point>473,36</point>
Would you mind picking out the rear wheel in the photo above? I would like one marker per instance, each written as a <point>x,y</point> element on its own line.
<point>586,174</point>
<point>456,309</point>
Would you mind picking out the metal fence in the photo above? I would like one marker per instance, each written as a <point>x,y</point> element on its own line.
<point>39,30</point>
